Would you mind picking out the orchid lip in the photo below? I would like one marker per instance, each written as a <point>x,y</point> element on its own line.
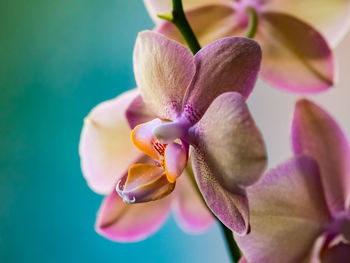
<point>121,193</point>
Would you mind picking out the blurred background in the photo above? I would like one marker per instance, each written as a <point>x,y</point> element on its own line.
<point>58,59</point>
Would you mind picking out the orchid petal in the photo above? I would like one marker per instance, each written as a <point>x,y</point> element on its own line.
<point>190,210</point>
<point>105,148</point>
<point>208,22</point>
<point>228,64</point>
<point>295,56</point>
<point>230,141</point>
<point>315,133</point>
<point>230,208</point>
<point>145,182</point>
<point>228,155</point>
<point>331,17</point>
<point>243,260</point>
<point>288,212</point>
<point>163,70</point>
<point>123,222</point>
<point>143,138</point>
<point>155,7</point>
<point>175,161</point>
<point>138,113</point>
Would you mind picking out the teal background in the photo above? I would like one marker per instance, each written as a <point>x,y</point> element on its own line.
<point>58,59</point>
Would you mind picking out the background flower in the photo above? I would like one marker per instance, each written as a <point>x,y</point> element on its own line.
<point>296,57</point>
<point>305,199</point>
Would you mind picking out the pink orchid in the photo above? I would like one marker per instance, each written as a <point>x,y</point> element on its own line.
<point>300,211</point>
<point>187,105</point>
<point>296,57</point>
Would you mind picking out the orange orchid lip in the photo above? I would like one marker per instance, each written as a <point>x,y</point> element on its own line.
<point>149,182</point>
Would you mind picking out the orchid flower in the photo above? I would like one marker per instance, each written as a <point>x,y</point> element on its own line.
<point>188,106</point>
<point>296,57</point>
<point>300,211</point>
<point>107,152</point>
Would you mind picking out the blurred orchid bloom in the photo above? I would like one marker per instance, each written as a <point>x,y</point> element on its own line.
<point>184,100</point>
<point>296,57</point>
<point>300,211</point>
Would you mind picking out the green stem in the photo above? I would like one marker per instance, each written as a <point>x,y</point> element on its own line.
<point>235,253</point>
<point>253,22</point>
<point>178,18</point>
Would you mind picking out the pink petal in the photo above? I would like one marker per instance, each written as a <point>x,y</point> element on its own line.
<point>175,161</point>
<point>228,64</point>
<point>138,113</point>
<point>228,155</point>
<point>163,71</point>
<point>191,212</point>
<point>105,149</point>
<point>331,17</point>
<point>288,212</point>
<point>230,208</point>
<point>315,133</point>
<point>296,57</point>
<point>123,222</point>
<point>230,141</point>
<point>208,22</point>
<point>243,260</point>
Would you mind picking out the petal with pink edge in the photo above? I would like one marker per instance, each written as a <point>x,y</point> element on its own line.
<point>105,148</point>
<point>191,213</point>
<point>228,155</point>
<point>243,260</point>
<point>155,7</point>
<point>138,113</point>
<point>315,133</point>
<point>228,64</point>
<point>163,70</point>
<point>288,212</point>
<point>331,17</point>
<point>123,222</point>
<point>296,57</point>
<point>208,22</point>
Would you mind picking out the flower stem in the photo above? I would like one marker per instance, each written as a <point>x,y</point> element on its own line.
<point>235,253</point>
<point>178,18</point>
<point>253,22</point>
